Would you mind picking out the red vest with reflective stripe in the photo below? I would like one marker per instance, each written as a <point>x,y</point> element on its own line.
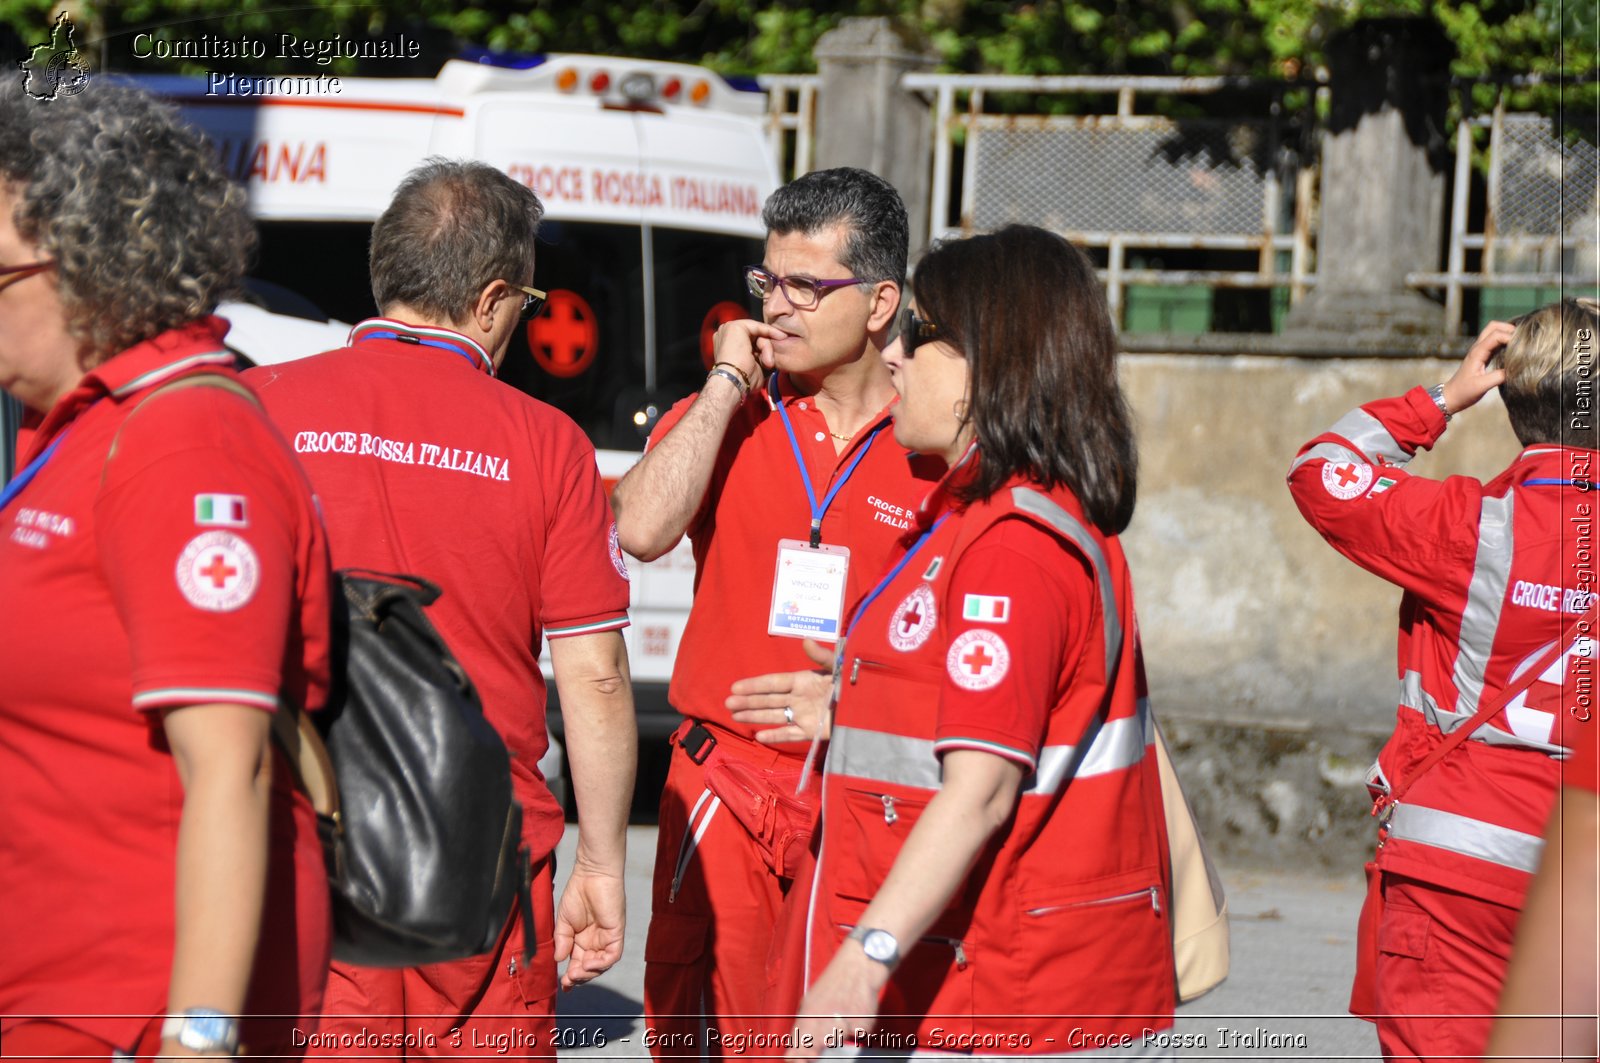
<point>1493,573</point>
<point>1064,913</point>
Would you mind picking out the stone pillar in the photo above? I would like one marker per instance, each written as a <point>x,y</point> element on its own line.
<point>864,117</point>
<point>1384,163</point>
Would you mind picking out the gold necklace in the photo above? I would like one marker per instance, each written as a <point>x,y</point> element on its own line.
<point>840,438</point>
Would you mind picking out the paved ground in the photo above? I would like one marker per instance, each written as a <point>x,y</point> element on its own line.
<point>1293,954</point>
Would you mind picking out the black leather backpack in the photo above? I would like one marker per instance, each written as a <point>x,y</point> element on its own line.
<point>412,787</point>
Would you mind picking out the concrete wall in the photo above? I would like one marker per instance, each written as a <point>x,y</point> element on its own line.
<point>1271,657</point>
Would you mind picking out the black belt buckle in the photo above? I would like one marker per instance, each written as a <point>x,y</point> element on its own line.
<point>698,742</point>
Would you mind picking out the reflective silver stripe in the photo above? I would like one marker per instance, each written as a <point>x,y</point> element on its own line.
<point>1486,594</point>
<point>1469,837</point>
<point>1109,747</point>
<point>874,756</point>
<point>1367,434</point>
<point>1413,697</point>
<point>1031,501</point>
<point>881,757</point>
<point>1328,452</point>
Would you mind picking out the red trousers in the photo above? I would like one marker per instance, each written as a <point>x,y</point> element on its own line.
<point>43,1039</point>
<point>489,1005</point>
<point>1442,958</point>
<point>705,973</point>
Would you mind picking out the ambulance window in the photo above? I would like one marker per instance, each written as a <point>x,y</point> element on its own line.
<point>326,262</point>
<point>584,353</point>
<point>696,274</point>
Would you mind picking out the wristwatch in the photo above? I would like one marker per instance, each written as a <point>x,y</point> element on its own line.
<point>879,945</point>
<point>204,1031</point>
<point>1436,393</point>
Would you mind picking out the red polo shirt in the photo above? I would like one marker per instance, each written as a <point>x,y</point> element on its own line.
<point>756,497</point>
<point>425,464</point>
<point>188,568</point>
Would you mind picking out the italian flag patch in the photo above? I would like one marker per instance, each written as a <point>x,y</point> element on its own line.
<point>220,511</point>
<point>986,608</point>
<point>1383,484</point>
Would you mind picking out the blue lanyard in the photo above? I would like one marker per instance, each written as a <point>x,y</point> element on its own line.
<point>443,345</point>
<point>25,477</point>
<point>817,511</point>
<point>1582,485</point>
<point>893,572</point>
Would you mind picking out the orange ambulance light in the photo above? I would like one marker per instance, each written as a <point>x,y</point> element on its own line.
<point>567,80</point>
<point>599,81</point>
<point>671,89</point>
<point>701,92</point>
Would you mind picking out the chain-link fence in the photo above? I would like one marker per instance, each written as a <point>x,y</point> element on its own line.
<point>1146,189</point>
<point>1536,234</point>
<point>1199,178</point>
<point>1165,199</point>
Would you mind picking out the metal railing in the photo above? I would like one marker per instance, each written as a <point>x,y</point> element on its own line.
<point>1129,181</point>
<point>791,107</point>
<point>1124,180</point>
<point>1541,217</point>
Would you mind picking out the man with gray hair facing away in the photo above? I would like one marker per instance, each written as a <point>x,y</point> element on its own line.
<point>780,472</point>
<point>427,465</point>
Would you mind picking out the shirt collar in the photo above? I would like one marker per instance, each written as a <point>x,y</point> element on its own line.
<point>160,358</point>
<point>1554,461</point>
<point>941,498</point>
<point>388,328</point>
<point>147,364</point>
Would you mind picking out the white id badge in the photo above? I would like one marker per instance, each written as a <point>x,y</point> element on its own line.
<point>808,590</point>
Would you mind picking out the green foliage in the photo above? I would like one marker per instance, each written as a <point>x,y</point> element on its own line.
<point>1272,38</point>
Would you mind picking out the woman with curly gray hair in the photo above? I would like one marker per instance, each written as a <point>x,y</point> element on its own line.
<point>165,575</point>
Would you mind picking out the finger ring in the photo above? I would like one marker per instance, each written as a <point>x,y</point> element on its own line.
<point>788,714</point>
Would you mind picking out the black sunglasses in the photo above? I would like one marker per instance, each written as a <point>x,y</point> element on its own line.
<point>915,330</point>
<point>532,300</point>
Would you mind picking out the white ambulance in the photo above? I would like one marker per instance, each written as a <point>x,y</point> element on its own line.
<point>653,176</point>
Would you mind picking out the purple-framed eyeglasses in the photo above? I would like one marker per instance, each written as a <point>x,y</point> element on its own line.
<point>803,293</point>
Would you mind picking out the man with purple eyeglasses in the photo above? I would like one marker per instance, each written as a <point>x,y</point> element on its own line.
<point>792,494</point>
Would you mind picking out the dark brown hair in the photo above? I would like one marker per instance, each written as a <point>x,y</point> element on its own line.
<point>1026,310</point>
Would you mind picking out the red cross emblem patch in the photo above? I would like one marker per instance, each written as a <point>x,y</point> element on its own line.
<point>218,572</point>
<point>1346,479</point>
<point>614,547</point>
<point>913,620</point>
<point>978,660</point>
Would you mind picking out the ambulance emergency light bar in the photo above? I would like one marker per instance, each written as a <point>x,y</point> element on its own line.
<point>621,84</point>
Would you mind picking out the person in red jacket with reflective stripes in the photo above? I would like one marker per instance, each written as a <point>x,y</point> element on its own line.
<point>992,875</point>
<point>1493,574</point>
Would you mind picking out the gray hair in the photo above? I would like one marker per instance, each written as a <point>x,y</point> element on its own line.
<point>452,228</point>
<point>866,204</point>
<point>146,230</point>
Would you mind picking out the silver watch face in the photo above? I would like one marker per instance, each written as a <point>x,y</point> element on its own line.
<point>207,1033</point>
<point>880,945</point>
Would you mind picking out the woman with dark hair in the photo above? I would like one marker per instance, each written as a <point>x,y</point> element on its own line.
<point>991,875</point>
<point>166,581</point>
